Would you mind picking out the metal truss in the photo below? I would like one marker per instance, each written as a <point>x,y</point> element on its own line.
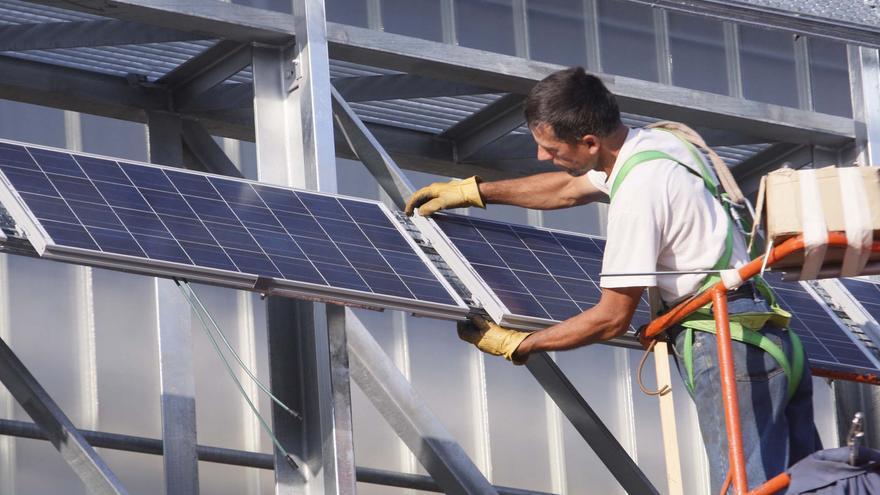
<point>774,18</point>
<point>431,69</point>
<point>52,35</point>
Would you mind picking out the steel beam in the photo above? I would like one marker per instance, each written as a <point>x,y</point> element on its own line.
<point>208,18</point>
<point>294,133</point>
<point>748,173</point>
<point>164,138</point>
<point>210,155</point>
<point>115,97</point>
<point>178,390</point>
<point>110,32</point>
<point>36,402</point>
<point>420,151</point>
<point>732,60</point>
<point>864,70</point>
<point>250,24</point>
<point>311,95</point>
<point>232,457</point>
<point>77,90</point>
<point>588,424</point>
<point>514,75</point>
<point>406,412</point>
<point>206,70</point>
<point>300,375</point>
<point>401,86</point>
<point>174,332</point>
<point>369,152</point>
<point>486,126</point>
<point>770,17</point>
<point>224,97</point>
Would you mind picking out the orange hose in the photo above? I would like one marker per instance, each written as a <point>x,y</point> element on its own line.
<point>848,376</point>
<point>747,271</point>
<point>736,451</point>
<point>773,485</point>
<point>718,295</point>
<point>726,485</point>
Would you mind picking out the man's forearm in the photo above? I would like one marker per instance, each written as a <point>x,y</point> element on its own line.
<point>585,328</point>
<point>546,191</point>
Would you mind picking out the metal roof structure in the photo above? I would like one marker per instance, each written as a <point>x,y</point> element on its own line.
<point>305,91</point>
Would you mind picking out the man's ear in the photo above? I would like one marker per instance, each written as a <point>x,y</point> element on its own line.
<point>592,142</point>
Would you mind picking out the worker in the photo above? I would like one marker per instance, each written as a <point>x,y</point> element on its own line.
<point>665,214</point>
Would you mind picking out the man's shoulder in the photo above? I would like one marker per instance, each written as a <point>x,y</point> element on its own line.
<point>646,139</point>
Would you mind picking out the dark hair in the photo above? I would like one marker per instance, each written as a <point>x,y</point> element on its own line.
<point>574,104</point>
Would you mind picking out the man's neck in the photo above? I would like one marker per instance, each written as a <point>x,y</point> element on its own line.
<point>611,146</point>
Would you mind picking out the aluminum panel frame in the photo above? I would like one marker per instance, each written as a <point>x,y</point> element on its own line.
<point>856,312</point>
<point>848,303</point>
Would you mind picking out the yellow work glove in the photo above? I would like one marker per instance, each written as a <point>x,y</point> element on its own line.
<point>491,338</point>
<point>444,195</point>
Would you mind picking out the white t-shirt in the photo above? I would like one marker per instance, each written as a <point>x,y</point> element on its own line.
<point>663,219</point>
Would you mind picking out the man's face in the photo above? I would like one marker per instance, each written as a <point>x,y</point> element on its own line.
<point>577,158</point>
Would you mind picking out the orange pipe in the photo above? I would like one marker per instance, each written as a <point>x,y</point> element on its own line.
<point>747,271</point>
<point>773,485</point>
<point>850,377</point>
<point>718,295</point>
<point>728,392</point>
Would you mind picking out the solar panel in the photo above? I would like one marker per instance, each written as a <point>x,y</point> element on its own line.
<point>535,276</point>
<point>866,292</point>
<point>166,221</point>
<point>827,341</point>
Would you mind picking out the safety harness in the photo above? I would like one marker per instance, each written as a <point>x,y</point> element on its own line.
<point>744,327</point>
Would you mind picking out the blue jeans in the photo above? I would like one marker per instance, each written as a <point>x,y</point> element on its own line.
<point>777,432</point>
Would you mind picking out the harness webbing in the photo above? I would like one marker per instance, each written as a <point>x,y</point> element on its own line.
<point>697,321</point>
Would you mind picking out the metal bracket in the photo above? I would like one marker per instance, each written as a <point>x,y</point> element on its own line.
<point>292,75</point>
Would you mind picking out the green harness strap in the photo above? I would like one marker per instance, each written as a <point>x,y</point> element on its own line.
<point>743,327</point>
<point>794,370</point>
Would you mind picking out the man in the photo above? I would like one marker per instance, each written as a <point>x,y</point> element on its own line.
<point>664,215</point>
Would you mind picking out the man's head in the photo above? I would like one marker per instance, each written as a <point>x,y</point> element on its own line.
<point>570,113</point>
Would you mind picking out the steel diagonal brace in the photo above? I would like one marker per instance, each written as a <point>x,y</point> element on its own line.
<point>588,424</point>
<point>75,450</point>
<point>412,420</point>
<point>370,152</point>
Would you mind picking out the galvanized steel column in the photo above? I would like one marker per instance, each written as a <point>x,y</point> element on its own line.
<point>174,331</point>
<point>294,135</point>
<point>864,75</point>
<point>173,318</point>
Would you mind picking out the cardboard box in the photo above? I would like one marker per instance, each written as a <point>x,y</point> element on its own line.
<point>783,207</point>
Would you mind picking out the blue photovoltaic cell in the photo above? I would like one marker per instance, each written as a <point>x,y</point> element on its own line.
<point>215,222</point>
<point>867,293</point>
<point>827,343</point>
<point>535,272</point>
